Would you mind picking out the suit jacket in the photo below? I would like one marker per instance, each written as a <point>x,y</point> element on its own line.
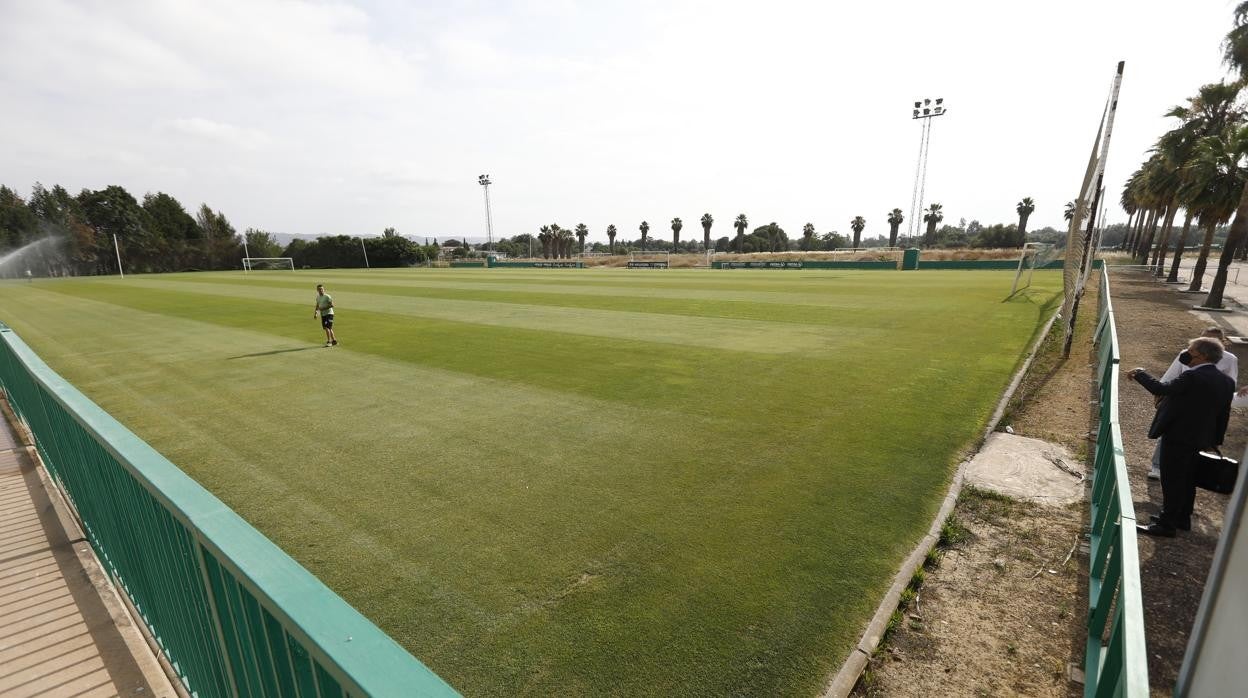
<point>1194,408</point>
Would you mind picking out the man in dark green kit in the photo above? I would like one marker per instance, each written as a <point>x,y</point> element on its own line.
<point>325,309</point>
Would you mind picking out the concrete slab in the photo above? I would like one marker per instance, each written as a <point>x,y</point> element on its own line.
<point>1026,468</point>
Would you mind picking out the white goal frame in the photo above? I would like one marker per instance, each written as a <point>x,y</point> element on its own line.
<point>248,261</point>
<point>1033,251</point>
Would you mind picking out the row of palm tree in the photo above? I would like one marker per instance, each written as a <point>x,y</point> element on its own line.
<point>1197,168</point>
<point>557,242</point>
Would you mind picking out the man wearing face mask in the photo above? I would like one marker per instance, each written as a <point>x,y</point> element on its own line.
<point>1192,416</point>
<point>1228,364</point>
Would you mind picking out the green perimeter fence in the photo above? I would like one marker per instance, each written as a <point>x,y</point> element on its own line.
<point>1116,663</point>
<point>231,612</point>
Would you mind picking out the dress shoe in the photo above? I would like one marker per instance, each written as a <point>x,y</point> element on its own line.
<point>1156,529</point>
<point>1154,518</point>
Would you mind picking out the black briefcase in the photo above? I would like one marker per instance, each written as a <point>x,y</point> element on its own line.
<point>1215,472</point>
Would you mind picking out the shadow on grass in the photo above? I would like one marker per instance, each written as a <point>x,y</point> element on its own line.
<point>270,353</point>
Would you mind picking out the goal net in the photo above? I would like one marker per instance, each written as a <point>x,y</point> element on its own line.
<point>268,263</point>
<point>649,260</point>
<point>1080,240</point>
<point>1035,255</point>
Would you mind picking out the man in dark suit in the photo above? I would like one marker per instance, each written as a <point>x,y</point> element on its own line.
<point>1192,416</point>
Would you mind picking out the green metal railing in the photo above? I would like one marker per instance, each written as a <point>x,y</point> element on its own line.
<point>1116,663</point>
<point>232,613</point>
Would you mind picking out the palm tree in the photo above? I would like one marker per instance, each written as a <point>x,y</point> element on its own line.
<point>1024,208</point>
<point>582,231</point>
<point>564,238</point>
<point>706,230</point>
<point>935,214</point>
<point>1205,114</point>
<point>1069,214</point>
<point>677,224</point>
<point>808,236</point>
<point>611,237</point>
<point>895,219</point>
<point>1145,193</point>
<point>857,225</point>
<point>1214,179</point>
<point>773,232</point>
<point>1131,205</point>
<point>645,230</point>
<point>545,238</point>
<point>741,224</point>
<point>1236,56</point>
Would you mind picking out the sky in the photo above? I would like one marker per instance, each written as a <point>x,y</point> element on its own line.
<point>350,117</point>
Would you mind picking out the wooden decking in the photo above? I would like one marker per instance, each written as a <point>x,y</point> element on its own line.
<point>59,635</point>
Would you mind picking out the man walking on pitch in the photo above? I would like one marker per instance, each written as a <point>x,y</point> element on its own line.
<point>325,309</point>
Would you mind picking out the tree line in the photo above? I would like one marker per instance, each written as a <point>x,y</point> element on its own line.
<point>1196,169</point>
<point>62,234</point>
<point>556,242</point>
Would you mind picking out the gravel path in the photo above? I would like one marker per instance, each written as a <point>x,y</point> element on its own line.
<point>1154,323</point>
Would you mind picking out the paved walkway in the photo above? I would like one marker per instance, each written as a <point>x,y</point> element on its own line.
<point>1155,321</point>
<point>57,634</point>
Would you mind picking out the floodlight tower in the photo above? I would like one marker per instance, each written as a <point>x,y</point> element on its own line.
<point>484,181</point>
<point>924,110</point>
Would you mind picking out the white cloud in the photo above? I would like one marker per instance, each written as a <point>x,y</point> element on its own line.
<point>219,133</point>
<point>275,111</point>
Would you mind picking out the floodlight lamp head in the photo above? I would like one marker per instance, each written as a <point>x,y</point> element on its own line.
<point>926,112</point>
<point>940,100</point>
<point>917,105</point>
<point>927,101</point>
<point>916,113</point>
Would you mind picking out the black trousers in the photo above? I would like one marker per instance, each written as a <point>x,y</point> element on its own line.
<point>1178,481</point>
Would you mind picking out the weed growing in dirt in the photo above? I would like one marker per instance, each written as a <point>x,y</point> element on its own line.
<point>952,533</point>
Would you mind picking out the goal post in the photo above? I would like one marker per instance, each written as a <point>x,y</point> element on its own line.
<point>268,263</point>
<point>1035,255</point>
<point>658,259</point>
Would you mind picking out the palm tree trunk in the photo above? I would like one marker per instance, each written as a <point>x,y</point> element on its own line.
<point>1150,231</point>
<point>1178,249</point>
<point>1198,271</point>
<point>1159,250</point>
<point>1146,237</point>
<point>1138,233</point>
<point>1235,238</point>
<point>892,234</point>
<point>1139,228</point>
<point>1127,238</point>
<point>706,239</point>
<point>1159,255</point>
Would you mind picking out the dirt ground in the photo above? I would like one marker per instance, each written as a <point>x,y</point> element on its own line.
<point>1002,612</point>
<point>1154,323</point>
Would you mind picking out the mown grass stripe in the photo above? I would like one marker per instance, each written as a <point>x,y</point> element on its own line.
<point>824,308</point>
<point>717,333</point>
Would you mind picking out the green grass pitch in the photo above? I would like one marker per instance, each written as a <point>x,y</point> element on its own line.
<point>567,482</point>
